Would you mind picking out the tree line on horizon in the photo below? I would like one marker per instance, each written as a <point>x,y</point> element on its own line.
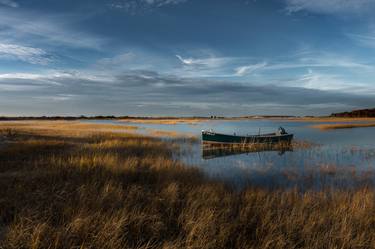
<point>364,113</point>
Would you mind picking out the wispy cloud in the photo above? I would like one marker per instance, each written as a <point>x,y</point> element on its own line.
<point>9,3</point>
<point>244,70</point>
<point>24,53</point>
<point>319,60</point>
<point>206,62</point>
<point>118,60</point>
<point>53,30</point>
<point>57,97</point>
<point>332,82</point>
<point>366,40</point>
<point>160,3</point>
<point>135,6</point>
<point>330,6</point>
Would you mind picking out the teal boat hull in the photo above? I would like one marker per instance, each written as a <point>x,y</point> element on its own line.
<point>212,137</point>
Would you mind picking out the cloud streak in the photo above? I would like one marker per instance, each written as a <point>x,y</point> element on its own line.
<point>9,3</point>
<point>244,70</point>
<point>52,30</point>
<point>330,6</point>
<point>204,62</point>
<point>366,40</point>
<point>136,6</point>
<point>24,53</point>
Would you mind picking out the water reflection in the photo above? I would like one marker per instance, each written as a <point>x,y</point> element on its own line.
<point>210,151</point>
<point>342,159</point>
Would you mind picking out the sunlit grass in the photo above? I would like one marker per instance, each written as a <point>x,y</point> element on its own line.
<point>329,119</point>
<point>167,121</point>
<point>63,188</point>
<point>342,126</point>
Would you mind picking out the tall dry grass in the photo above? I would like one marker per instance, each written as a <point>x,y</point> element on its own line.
<point>342,126</point>
<point>69,190</point>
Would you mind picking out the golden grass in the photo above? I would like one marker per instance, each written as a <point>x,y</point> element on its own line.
<point>342,126</point>
<point>60,189</point>
<point>65,125</point>
<point>171,134</point>
<point>171,121</point>
<point>328,119</point>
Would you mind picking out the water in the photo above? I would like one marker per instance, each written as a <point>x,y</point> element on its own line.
<point>343,159</point>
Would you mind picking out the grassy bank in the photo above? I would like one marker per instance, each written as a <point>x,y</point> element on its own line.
<point>328,119</point>
<point>63,188</point>
<point>170,121</point>
<point>342,126</point>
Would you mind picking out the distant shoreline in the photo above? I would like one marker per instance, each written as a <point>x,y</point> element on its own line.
<point>133,118</point>
<point>189,120</point>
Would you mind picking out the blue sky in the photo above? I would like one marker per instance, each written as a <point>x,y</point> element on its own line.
<point>186,57</point>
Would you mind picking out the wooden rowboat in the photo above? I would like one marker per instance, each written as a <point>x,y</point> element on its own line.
<point>217,138</point>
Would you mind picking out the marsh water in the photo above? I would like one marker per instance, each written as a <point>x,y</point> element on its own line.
<point>343,158</point>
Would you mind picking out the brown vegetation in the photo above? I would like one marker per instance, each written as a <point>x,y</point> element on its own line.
<point>342,126</point>
<point>66,189</point>
<point>169,121</point>
<point>328,119</point>
<point>171,134</point>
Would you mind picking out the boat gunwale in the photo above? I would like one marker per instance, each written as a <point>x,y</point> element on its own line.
<point>250,136</point>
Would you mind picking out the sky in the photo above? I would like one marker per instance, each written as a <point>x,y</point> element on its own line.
<point>186,57</point>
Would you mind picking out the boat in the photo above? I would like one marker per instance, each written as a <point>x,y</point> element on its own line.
<point>281,136</point>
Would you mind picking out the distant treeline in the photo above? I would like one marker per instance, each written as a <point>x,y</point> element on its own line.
<point>365,113</point>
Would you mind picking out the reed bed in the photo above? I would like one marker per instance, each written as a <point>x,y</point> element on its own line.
<point>68,189</point>
<point>329,119</point>
<point>342,126</point>
<point>167,121</point>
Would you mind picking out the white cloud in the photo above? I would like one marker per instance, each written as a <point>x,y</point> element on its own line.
<point>330,6</point>
<point>9,3</point>
<point>23,53</point>
<point>332,82</point>
<point>244,70</point>
<point>206,62</point>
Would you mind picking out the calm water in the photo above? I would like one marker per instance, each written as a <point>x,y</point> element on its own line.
<point>342,158</point>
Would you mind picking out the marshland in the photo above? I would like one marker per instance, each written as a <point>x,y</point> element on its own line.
<point>80,184</point>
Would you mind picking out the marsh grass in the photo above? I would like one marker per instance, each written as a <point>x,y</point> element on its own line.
<point>167,121</point>
<point>342,126</point>
<point>172,134</point>
<point>69,189</point>
<point>328,119</point>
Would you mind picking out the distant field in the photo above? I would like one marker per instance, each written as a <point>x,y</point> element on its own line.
<point>72,185</point>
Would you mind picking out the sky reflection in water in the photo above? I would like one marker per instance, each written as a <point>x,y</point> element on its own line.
<point>343,159</point>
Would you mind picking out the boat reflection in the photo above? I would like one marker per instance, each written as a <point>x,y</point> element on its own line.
<point>210,151</point>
